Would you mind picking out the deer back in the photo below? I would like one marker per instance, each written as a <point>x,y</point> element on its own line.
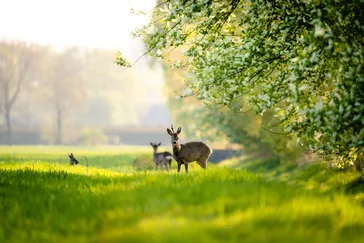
<point>192,151</point>
<point>162,157</point>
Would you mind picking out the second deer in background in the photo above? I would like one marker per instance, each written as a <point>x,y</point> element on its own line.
<point>163,158</point>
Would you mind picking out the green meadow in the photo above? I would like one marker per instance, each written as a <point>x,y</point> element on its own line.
<point>119,198</point>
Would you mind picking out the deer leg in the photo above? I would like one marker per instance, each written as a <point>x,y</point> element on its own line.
<point>156,166</point>
<point>170,163</point>
<point>179,167</point>
<point>186,167</point>
<point>202,164</point>
<point>202,161</point>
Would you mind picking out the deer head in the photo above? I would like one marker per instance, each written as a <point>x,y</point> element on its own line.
<point>174,135</point>
<point>188,152</point>
<point>73,160</point>
<point>155,145</point>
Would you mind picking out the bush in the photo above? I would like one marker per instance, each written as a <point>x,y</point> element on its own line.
<point>92,136</point>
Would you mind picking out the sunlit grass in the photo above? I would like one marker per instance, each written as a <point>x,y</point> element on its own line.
<point>117,158</point>
<point>49,201</point>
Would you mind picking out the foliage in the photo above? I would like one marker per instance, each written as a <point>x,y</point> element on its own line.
<point>304,59</point>
<point>120,60</point>
<point>223,127</point>
<point>43,199</point>
<point>189,113</point>
<point>253,132</point>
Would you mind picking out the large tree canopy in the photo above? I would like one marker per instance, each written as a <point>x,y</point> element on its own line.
<point>302,58</point>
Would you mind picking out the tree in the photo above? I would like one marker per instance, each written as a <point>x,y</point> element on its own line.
<point>303,59</point>
<point>16,61</point>
<point>64,85</point>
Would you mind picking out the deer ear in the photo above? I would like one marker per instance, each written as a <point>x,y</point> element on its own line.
<point>179,130</point>
<point>159,144</point>
<point>70,156</point>
<point>151,143</point>
<point>169,132</point>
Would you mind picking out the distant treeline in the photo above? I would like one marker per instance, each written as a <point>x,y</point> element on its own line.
<point>68,93</point>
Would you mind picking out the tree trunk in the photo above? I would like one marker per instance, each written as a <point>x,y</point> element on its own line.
<point>8,127</point>
<point>59,126</point>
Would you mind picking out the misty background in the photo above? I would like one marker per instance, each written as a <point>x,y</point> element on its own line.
<point>58,80</point>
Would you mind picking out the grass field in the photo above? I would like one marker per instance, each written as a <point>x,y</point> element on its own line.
<point>43,199</point>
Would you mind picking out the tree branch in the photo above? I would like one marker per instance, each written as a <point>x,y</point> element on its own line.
<point>278,133</point>
<point>152,48</point>
<point>23,69</point>
<point>162,3</point>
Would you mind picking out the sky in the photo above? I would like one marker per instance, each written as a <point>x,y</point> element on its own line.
<point>90,23</point>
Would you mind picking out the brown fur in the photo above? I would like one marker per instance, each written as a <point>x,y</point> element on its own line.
<point>188,152</point>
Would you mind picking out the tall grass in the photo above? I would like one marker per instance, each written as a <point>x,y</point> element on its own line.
<point>43,199</point>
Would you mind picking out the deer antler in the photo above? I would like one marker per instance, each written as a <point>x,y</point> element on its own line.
<point>172,128</point>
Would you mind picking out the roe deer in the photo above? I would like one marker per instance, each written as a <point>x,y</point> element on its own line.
<point>163,158</point>
<point>73,160</point>
<point>188,152</point>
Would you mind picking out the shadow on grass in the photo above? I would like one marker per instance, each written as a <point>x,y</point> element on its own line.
<point>314,176</point>
<point>356,187</point>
